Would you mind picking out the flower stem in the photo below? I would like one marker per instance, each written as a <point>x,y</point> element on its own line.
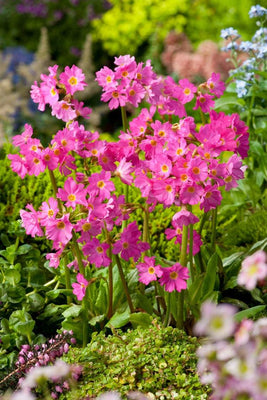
<point>67,279</point>
<point>183,262</point>
<point>110,276</point>
<point>168,310</point>
<point>54,185</point>
<point>124,283</point>
<point>78,253</point>
<point>191,265</point>
<point>213,228</point>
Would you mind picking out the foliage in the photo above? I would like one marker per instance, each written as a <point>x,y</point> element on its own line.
<point>156,360</point>
<point>70,21</point>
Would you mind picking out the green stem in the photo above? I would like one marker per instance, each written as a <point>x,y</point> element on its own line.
<point>110,276</point>
<point>213,228</point>
<point>191,264</point>
<point>124,283</point>
<point>124,119</point>
<point>202,222</point>
<point>183,262</point>
<point>146,229</point>
<point>85,319</point>
<point>168,310</point>
<point>78,253</point>
<point>67,279</point>
<point>55,189</point>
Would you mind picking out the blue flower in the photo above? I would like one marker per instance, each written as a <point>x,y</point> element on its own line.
<point>257,11</point>
<point>227,33</point>
<point>241,88</point>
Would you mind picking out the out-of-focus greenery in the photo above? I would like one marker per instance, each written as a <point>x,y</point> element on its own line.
<point>132,26</point>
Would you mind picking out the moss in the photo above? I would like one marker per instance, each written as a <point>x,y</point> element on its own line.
<point>157,360</point>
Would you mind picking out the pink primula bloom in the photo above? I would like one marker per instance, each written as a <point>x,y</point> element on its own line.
<point>211,198</point>
<point>19,140</point>
<point>135,94</point>
<point>253,270</point>
<point>88,228</point>
<point>73,78</point>
<point>80,110</point>
<point>63,110</point>
<point>184,217</point>
<point>164,190</point>
<point>37,96</point>
<point>59,230</point>
<point>100,185</point>
<point>174,278</point>
<point>79,288</point>
<point>176,148</point>
<point>64,138</point>
<point>129,245</point>
<point>35,163</point>
<point>31,221</point>
<point>234,172</point>
<point>142,182</point>
<point>242,335</point>
<point>197,169</point>
<point>217,321</point>
<point>96,253</point>
<point>115,96</point>
<point>54,258</point>
<point>49,91</point>
<point>73,193</point>
<point>186,91</point>
<point>106,78</point>
<point>191,194</point>
<point>48,210</point>
<point>124,171</point>
<point>49,159</point>
<point>215,85</point>
<point>67,164</point>
<point>148,271</point>
<point>18,165</point>
<point>197,243</point>
<point>161,165</point>
<point>205,102</point>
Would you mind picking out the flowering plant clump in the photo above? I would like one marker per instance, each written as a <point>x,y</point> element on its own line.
<point>234,361</point>
<point>42,361</point>
<point>162,153</point>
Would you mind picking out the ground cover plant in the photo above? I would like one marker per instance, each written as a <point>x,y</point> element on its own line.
<point>128,233</point>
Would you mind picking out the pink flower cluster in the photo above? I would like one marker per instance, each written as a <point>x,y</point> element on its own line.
<point>172,278</point>
<point>234,359</point>
<point>170,163</point>
<point>253,270</point>
<point>58,93</point>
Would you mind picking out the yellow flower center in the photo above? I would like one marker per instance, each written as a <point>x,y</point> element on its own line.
<point>196,170</point>
<point>191,189</point>
<point>125,245</point>
<point>187,91</point>
<point>132,92</point>
<point>86,226</point>
<point>50,213</point>
<point>173,275</point>
<point>71,197</point>
<point>151,270</point>
<point>60,225</point>
<point>99,249</point>
<point>100,184</point>
<point>73,81</point>
<point>168,188</point>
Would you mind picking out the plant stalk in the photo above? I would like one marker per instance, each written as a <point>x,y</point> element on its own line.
<point>124,283</point>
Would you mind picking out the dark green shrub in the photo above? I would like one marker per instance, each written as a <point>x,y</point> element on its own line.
<point>160,361</point>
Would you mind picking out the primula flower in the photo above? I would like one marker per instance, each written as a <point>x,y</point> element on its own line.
<point>215,85</point>
<point>148,271</point>
<point>124,170</point>
<point>97,253</point>
<point>184,217</point>
<point>253,269</point>
<point>129,245</point>
<point>31,221</point>
<point>59,230</point>
<point>73,193</point>
<point>217,322</point>
<point>100,185</point>
<point>174,278</point>
<point>205,102</point>
<point>73,78</point>
<point>18,165</point>
<point>79,288</point>
<point>186,91</point>
<point>22,139</point>
<point>63,110</point>
<point>48,210</point>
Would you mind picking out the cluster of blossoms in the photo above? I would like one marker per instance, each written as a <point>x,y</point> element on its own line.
<point>234,361</point>
<point>255,50</point>
<point>38,361</point>
<point>253,270</point>
<point>170,163</point>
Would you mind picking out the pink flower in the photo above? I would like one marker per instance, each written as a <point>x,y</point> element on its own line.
<point>97,253</point>
<point>59,230</point>
<point>164,190</point>
<point>31,222</point>
<point>186,91</point>
<point>215,85</point>
<point>205,102</point>
<point>211,198</point>
<point>148,271</point>
<point>101,185</point>
<point>73,193</point>
<point>116,97</point>
<point>22,139</point>
<point>129,245</point>
<point>79,288</point>
<point>18,165</point>
<point>174,278</point>
<point>106,78</point>
<point>253,269</point>
<point>191,194</point>
<point>48,210</point>
<point>124,170</point>
<point>184,217</point>
<point>63,110</point>
<point>135,93</point>
<point>73,78</point>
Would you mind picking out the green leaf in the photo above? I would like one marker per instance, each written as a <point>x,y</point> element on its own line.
<point>36,301</point>
<point>12,276</point>
<point>24,249</point>
<point>141,319</point>
<point>16,294</point>
<point>210,275</point>
<point>52,310</point>
<point>227,99</point>
<point>249,313</point>
<point>119,319</point>
<point>72,311</point>
<point>22,322</point>
<point>98,318</point>
<point>53,294</point>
